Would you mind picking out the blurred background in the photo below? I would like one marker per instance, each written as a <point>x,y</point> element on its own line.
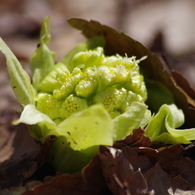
<point>164,26</point>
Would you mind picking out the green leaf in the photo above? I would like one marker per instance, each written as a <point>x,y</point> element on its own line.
<point>168,138</point>
<point>89,127</point>
<point>163,126</point>
<point>136,116</point>
<point>19,79</point>
<point>65,159</point>
<point>31,116</point>
<point>42,60</point>
<point>87,45</point>
<point>80,137</point>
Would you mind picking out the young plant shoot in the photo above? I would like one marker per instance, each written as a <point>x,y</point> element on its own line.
<point>86,100</point>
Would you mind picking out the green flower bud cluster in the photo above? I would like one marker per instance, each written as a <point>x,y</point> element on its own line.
<point>92,78</point>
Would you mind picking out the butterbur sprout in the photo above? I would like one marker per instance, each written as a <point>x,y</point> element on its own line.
<point>86,100</point>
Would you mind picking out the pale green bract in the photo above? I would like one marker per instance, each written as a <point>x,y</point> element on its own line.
<point>87,99</point>
<point>162,127</point>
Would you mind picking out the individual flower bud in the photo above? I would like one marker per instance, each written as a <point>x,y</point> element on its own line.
<point>71,105</point>
<point>88,58</point>
<point>86,88</point>
<point>47,104</point>
<point>68,83</point>
<point>111,98</point>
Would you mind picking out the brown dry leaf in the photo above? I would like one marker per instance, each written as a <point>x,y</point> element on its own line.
<point>22,163</point>
<point>137,161</point>
<point>166,156</point>
<point>183,83</point>
<point>119,173</point>
<point>186,169</point>
<point>179,168</point>
<point>89,181</point>
<point>161,183</point>
<point>137,138</point>
<point>20,155</point>
<point>161,171</point>
<point>182,183</point>
<point>157,67</point>
<point>158,180</point>
<point>143,170</point>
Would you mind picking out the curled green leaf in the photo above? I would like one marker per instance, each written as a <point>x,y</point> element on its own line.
<point>162,126</point>
<point>136,116</point>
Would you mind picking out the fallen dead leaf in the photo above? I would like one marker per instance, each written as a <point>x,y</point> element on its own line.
<point>186,169</point>
<point>89,181</point>
<point>157,171</point>
<point>22,163</point>
<point>137,138</point>
<point>119,173</point>
<point>158,180</point>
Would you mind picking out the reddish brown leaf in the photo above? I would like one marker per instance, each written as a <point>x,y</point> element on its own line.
<point>137,183</point>
<point>158,180</point>
<point>115,168</point>
<point>144,170</point>
<point>179,182</point>
<point>119,173</point>
<point>166,156</point>
<point>89,181</point>
<point>137,162</point>
<point>179,168</point>
<point>183,83</point>
<point>137,138</point>
<point>186,169</point>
